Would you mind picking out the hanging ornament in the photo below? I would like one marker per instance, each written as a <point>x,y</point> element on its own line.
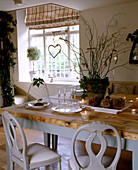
<point>54,50</point>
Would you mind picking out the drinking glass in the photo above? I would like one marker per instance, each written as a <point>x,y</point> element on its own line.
<point>74,94</point>
<point>59,94</point>
<point>64,93</point>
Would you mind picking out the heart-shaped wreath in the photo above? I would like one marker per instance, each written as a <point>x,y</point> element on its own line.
<point>56,47</point>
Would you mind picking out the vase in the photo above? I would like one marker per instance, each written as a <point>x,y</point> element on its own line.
<point>33,74</point>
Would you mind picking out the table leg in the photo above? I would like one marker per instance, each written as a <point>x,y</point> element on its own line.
<point>47,139</point>
<point>135,158</point>
<point>132,145</point>
<point>124,143</point>
<point>54,141</point>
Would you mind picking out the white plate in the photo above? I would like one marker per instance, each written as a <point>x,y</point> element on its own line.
<point>113,111</point>
<point>66,109</point>
<point>31,104</point>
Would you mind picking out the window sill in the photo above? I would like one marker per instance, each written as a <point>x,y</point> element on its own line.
<point>62,83</point>
<point>56,82</point>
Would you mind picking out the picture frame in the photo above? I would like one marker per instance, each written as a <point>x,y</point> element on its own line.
<point>133,58</point>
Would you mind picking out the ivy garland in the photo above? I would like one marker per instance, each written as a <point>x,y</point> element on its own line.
<point>7,26</point>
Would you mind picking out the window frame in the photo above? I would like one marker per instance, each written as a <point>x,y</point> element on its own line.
<point>62,32</point>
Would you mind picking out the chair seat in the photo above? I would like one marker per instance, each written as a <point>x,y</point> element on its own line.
<point>84,161</point>
<point>37,155</point>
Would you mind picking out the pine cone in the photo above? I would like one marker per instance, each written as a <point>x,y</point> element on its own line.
<point>95,101</point>
<point>106,103</point>
<point>118,103</point>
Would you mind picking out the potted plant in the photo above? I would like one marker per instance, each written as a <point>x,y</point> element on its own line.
<point>33,53</point>
<point>101,57</point>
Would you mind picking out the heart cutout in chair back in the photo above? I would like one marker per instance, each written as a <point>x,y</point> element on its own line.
<point>54,50</point>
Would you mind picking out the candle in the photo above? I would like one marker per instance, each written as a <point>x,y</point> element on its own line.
<point>125,98</point>
<point>136,99</point>
<point>82,102</point>
<point>131,101</point>
<point>85,115</point>
<point>133,111</point>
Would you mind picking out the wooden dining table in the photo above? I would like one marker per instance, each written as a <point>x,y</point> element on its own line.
<point>51,122</point>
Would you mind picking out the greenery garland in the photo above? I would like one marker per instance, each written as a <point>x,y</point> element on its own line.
<point>7,26</point>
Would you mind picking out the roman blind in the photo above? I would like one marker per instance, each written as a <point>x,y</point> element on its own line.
<point>50,16</point>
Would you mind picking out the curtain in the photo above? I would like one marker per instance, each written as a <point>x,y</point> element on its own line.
<point>50,16</point>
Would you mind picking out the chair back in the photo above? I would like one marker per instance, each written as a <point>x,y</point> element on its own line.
<point>10,126</point>
<point>95,161</point>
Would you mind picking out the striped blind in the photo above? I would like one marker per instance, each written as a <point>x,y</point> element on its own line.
<point>50,16</point>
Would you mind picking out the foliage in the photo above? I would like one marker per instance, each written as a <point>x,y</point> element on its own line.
<point>96,86</point>
<point>33,53</point>
<point>7,26</point>
<point>38,81</point>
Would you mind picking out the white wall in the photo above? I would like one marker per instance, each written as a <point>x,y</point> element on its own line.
<point>22,39</point>
<point>128,19</point>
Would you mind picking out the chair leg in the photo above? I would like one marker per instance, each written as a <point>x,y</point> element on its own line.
<point>59,165</point>
<point>26,167</point>
<point>11,165</point>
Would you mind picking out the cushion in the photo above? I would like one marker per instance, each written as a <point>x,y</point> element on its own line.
<point>124,88</point>
<point>40,155</point>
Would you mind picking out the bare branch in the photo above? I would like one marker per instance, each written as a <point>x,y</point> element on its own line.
<point>98,58</point>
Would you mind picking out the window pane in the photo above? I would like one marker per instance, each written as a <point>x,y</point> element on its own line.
<point>55,29</point>
<point>59,62</point>
<point>74,28</point>
<point>35,32</point>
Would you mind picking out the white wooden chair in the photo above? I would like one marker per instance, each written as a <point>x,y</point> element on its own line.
<point>29,156</point>
<point>92,161</point>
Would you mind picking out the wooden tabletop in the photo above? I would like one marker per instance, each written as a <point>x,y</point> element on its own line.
<point>125,122</point>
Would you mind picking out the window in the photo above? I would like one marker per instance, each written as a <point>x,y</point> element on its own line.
<point>62,65</point>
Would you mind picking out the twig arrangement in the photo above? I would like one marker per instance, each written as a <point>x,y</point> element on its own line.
<point>103,52</point>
